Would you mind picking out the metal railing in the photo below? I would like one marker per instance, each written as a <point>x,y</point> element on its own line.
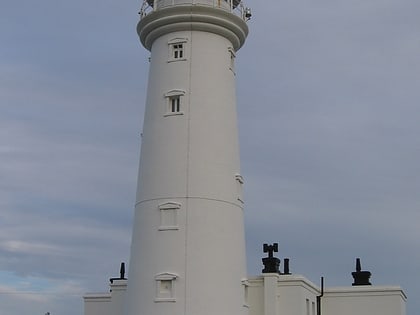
<point>234,6</point>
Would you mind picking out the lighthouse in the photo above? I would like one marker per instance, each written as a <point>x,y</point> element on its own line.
<point>188,246</point>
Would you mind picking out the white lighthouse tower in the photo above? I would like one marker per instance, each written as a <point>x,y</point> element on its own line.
<point>188,246</point>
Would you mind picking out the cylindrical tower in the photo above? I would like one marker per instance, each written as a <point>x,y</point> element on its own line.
<point>188,245</point>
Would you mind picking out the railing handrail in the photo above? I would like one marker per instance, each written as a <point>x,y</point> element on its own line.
<point>239,10</point>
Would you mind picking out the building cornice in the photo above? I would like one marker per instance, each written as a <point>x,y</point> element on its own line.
<point>192,18</point>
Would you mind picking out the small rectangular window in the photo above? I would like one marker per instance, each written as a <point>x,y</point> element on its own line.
<point>307,307</point>
<point>168,219</point>
<point>165,287</point>
<point>169,216</point>
<point>178,50</point>
<point>175,102</point>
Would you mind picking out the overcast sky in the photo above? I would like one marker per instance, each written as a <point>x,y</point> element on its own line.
<point>328,105</point>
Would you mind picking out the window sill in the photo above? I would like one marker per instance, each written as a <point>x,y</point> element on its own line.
<point>168,228</point>
<point>165,300</point>
<point>178,59</point>
<point>173,114</point>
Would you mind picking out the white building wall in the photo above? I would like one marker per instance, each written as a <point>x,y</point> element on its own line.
<point>111,303</point>
<point>255,296</point>
<point>273,294</point>
<point>97,304</point>
<point>118,289</point>
<point>297,295</point>
<point>364,300</point>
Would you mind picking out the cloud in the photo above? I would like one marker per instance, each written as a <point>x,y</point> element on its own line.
<point>328,117</point>
<point>29,295</point>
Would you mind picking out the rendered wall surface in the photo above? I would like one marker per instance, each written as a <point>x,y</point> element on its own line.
<point>107,303</point>
<point>273,294</point>
<point>188,244</point>
<point>97,304</point>
<point>364,300</point>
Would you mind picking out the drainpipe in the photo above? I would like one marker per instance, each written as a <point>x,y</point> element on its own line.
<point>318,298</point>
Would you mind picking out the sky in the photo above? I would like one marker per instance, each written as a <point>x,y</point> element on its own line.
<point>328,104</point>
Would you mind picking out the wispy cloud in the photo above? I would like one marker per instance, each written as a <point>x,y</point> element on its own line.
<point>328,115</point>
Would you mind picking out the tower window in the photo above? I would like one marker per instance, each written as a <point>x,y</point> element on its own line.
<point>165,287</point>
<point>177,49</point>
<point>175,104</point>
<point>169,216</point>
<point>174,100</point>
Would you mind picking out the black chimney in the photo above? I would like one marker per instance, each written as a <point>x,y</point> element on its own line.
<point>286,266</point>
<point>271,263</point>
<point>360,277</point>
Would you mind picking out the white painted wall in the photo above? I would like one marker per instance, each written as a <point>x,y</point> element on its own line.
<point>97,304</point>
<point>111,303</point>
<point>273,294</point>
<point>364,300</point>
<point>118,289</point>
